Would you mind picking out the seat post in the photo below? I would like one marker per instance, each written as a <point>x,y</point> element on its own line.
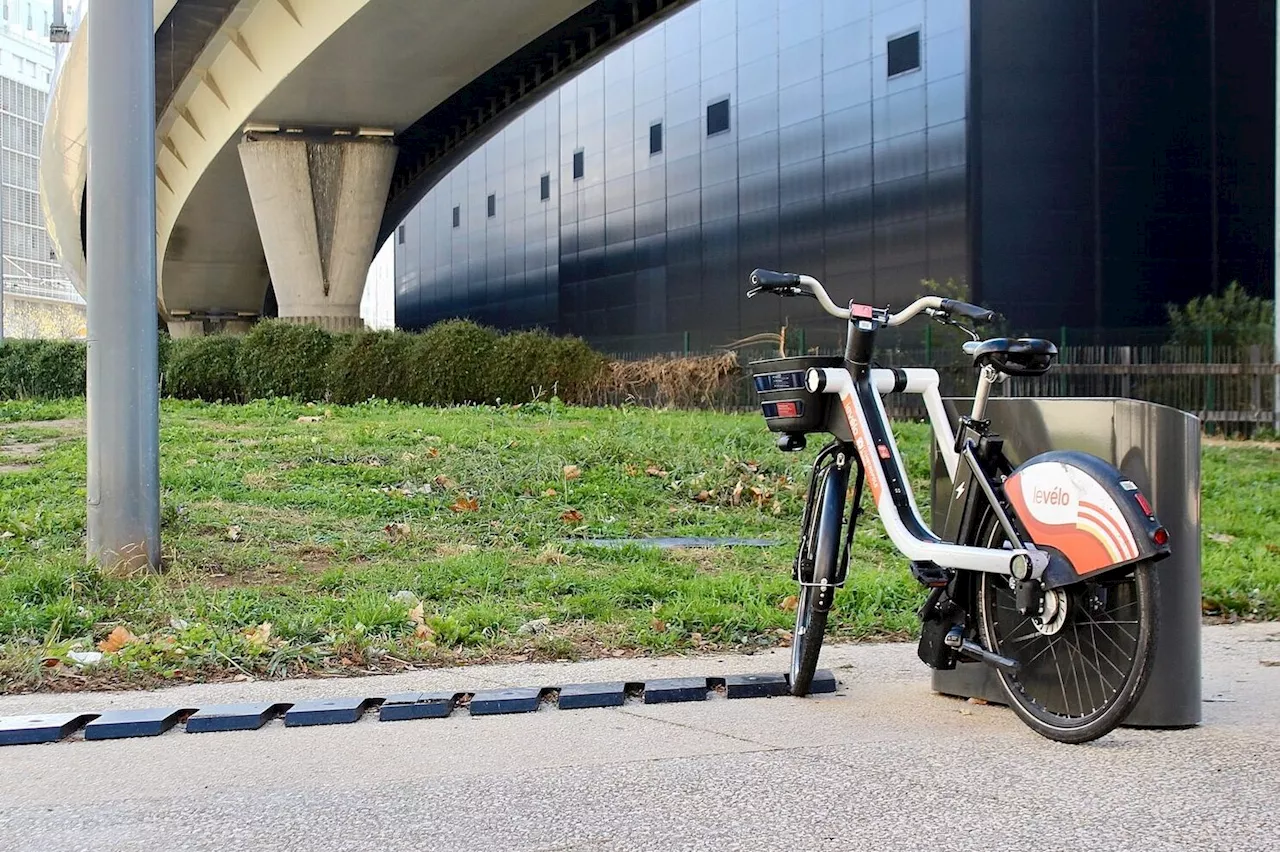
<point>986,379</point>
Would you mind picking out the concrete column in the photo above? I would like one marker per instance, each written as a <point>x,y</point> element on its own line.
<point>186,329</point>
<point>318,206</point>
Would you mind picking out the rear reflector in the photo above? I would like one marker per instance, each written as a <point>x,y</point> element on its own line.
<point>1146,507</point>
<point>1160,536</point>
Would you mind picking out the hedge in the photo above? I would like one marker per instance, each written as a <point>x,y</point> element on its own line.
<point>49,369</point>
<point>285,360</point>
<point>205,368</point>
<point>452,363</point>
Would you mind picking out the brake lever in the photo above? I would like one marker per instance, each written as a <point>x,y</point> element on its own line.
<point>785,292</point>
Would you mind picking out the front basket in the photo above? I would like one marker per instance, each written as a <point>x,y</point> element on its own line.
<point>786,404</point>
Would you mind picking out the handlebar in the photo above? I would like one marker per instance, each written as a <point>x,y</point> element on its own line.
<point>795,284</point>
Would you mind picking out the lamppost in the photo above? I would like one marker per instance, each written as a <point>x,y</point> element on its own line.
<point>123,405</point>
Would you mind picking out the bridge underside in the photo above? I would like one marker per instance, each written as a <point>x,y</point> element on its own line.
<point>466,70</point>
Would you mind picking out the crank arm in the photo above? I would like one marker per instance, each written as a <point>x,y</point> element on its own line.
<point>974,651</point>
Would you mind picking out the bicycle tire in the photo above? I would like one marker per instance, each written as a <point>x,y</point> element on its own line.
<point>813,604</point>
<point>1031,691</point>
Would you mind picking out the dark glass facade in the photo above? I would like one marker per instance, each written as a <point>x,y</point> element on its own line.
<point>1058,177</point>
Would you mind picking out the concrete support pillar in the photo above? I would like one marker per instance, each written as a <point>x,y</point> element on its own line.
<point>318,206</point>
<point>186,329</point>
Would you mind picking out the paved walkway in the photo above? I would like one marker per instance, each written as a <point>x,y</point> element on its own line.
<point>883,764</point>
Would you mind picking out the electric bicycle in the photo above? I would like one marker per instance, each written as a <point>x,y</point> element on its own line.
<point>1044,571</point>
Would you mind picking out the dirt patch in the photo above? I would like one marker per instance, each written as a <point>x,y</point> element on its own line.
<point>68,425</point>
<point>1219,441</point>
<point>26,451</point>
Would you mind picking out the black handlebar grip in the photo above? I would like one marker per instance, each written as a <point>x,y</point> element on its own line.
<point>767,279</point>
<point>968,311</point>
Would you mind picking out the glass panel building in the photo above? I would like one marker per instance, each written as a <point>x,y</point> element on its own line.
<point>1067,163</point>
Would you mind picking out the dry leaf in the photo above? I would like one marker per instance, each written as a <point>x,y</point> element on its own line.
<point>234,533</point>
<point>789,603</point>
<point>978,701</point>
<point>434,453</point>
<point>618,653</point>
<point>573,516</point>
<point>702,496</point>
<point>260,635</point>
<point>397,532</point>
<point>654,470</point>
<point>466,504</point>
<point>116,640</point>
<point>416,615</point>
<point>572,471</point>
<point>696,637</point>
<point>1222,538</point>
<point>631,470</point>
<point>777,508</point>
<point>658,625</point>
<point>445,482</point>
<point>309,419</point>
<point>423,633</point>
<point>550,492</point>
<point>1271,548</point>
<point>736,497</point>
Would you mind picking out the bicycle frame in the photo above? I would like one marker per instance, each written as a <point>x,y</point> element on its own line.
<point>863,411</point>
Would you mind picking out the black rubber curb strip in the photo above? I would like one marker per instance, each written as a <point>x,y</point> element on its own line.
<point>121,724</point>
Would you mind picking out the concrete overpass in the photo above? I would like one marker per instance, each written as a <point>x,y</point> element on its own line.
<point>293,135</point>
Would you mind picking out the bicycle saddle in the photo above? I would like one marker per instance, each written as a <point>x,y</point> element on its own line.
<point>1023,356</point>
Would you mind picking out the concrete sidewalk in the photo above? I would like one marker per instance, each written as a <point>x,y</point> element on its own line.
<point>882,764</point>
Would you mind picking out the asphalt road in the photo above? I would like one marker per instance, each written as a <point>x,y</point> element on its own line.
<point>882,764</point>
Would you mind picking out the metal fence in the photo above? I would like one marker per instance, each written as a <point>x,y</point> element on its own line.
<point>1230,388</point>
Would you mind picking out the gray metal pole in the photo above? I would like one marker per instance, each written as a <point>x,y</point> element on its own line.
<point>123,392</point>
<point>3,195</point>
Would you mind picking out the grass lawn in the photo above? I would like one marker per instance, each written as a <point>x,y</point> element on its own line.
<point>330,540</point>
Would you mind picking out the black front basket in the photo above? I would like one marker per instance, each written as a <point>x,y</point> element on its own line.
<point>786,404</point>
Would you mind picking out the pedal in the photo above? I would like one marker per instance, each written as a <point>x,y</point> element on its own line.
<point>930,575</point>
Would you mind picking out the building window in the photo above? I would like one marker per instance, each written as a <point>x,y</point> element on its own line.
<point>457,216</point>
<point>579,166</point>
<point>400,235</point>
<point>492,205</point>
<point>904,53</point>
<point>718,117</point>
<point>544,187</point>
<point>655,138</point>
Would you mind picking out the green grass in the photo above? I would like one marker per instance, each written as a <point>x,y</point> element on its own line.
<point>331,531</point>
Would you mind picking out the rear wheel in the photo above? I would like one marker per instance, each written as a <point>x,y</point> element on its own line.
<point>1083,662</point>
<point>822,540</point>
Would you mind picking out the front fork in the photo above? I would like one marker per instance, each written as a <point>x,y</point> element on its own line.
<point>822,560</point>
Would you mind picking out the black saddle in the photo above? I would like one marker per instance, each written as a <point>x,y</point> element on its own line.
<point>1022,356</point>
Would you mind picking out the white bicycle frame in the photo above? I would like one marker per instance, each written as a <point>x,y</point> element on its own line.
<point>923,546</point>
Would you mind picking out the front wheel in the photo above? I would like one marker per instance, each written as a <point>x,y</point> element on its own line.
<point>1083,662</point>
<point>821,540</point>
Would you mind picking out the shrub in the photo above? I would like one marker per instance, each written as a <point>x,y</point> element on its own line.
<point>369,365</point>
<point>451,364</point>
<point>574,368</point>
<point>41,369</point>
<point>281,359</point>
<point>1236,319</point>
<point>17,360</point>
<point>59,369</point>
<point>521,367</point>
<point>205,368</point>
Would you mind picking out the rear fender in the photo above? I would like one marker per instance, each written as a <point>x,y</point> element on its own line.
<point>1090,516</point>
